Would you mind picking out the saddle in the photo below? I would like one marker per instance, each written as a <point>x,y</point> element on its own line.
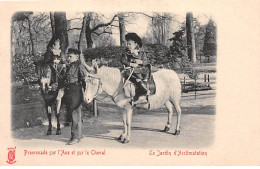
<point>130,87</point>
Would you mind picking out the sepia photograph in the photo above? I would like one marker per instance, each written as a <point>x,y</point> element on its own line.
<point>147,79</point>
<point>91,85</point>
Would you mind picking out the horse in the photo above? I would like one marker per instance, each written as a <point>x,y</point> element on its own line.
<point>72,97</point>
<point>110,80</point>
<point>46,81</point>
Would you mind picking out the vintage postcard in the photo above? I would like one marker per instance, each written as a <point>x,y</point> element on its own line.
<point>129,83</point>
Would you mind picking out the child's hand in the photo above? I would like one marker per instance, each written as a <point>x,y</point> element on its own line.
<point>135,52</point>
<point>138,61</point>
<point>133,64</point>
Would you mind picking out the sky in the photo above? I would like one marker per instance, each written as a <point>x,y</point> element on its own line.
<point>139,24</point>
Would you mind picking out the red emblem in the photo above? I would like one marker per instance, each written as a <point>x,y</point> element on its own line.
<point>11,155</point>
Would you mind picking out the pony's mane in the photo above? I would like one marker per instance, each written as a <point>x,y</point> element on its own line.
<point>43,68</point>
<point>111,72</point>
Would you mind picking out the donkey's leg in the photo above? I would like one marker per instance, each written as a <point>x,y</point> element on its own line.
<point>58,100</point>
<point>57,114</point>
<point>178,111</point>
<point>169,107</point>
<point>48,110</point>
<point>129,113</point>
<point>123,135</point>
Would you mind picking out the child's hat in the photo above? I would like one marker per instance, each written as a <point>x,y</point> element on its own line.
<point>135,38</point>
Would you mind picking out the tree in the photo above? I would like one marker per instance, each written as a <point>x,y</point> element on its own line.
<point>160,27</point>
<point>52,23</point>
<point>93,25</point>
<point>26,16</point>
<point>177,49</point>
<point>190,37</point>
<point>199,33</point>
<point>60,26</point>
<point>210,42</point>
<point>122,31</point>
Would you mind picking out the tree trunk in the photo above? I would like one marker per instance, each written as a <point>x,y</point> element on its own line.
<point>88,33</point>
<point>81,36</point>
<point>190,37</point>
<point>31,35</point>
<point>60,25</point>
<point>52,23</point>
<point>13,40</point>
<point>122,29</point>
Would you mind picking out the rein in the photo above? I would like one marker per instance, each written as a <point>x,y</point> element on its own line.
<point>119,90</point>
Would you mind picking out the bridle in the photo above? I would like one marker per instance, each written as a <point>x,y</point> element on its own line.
<point>99,84</point>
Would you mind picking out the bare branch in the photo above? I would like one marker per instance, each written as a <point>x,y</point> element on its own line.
<point>102,33</point>
<point>73,29</point>
<point>103,24</point>
<point>114,26</point>
<point>74,19</point>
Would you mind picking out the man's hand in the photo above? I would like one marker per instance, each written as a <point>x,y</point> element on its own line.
<point>57,61</point>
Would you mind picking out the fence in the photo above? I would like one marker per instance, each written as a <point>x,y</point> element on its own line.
<point>202,83</point>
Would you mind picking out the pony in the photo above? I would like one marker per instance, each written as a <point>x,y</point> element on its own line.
<point>111,81</point>
<point>46,81</point>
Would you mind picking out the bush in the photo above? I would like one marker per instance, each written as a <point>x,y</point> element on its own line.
<point>111,55</point>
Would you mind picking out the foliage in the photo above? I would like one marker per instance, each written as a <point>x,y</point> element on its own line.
<point>160,28</point>
<point>210,42</point>
<point>22,57</point>
<point>177,49</point>
<point>111,55</point>
<point>22,68</point>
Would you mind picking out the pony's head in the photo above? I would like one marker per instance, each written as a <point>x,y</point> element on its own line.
<point>44,75</point>
<point>93,84</point>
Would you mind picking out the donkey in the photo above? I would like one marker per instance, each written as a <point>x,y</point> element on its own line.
<point>46,81</point>
<point>110,80</point>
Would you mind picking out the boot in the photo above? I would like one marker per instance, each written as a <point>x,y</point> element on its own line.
<point>141,90</point>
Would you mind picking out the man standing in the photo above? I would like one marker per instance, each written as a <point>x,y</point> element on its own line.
<point>73,93</point>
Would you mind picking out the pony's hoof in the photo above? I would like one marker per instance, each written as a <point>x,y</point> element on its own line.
<point>49,132</point>
<point>166,129</point>
<point>125,141</point>
<point>120,137</point>
<point>58,132</point>
<point>73,141</point>
<point>177,132</point>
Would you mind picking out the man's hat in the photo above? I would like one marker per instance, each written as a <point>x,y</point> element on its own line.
<point>74,51</point>
<point>135,38</point>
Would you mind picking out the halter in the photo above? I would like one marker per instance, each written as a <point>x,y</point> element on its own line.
<point>99,85</point>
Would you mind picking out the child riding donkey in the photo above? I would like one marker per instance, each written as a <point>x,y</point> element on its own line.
<point>52,57</point>
<point>135,59</point>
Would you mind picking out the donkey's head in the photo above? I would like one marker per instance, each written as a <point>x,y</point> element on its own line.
<point>44,75</point>
<point>93,84</point>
